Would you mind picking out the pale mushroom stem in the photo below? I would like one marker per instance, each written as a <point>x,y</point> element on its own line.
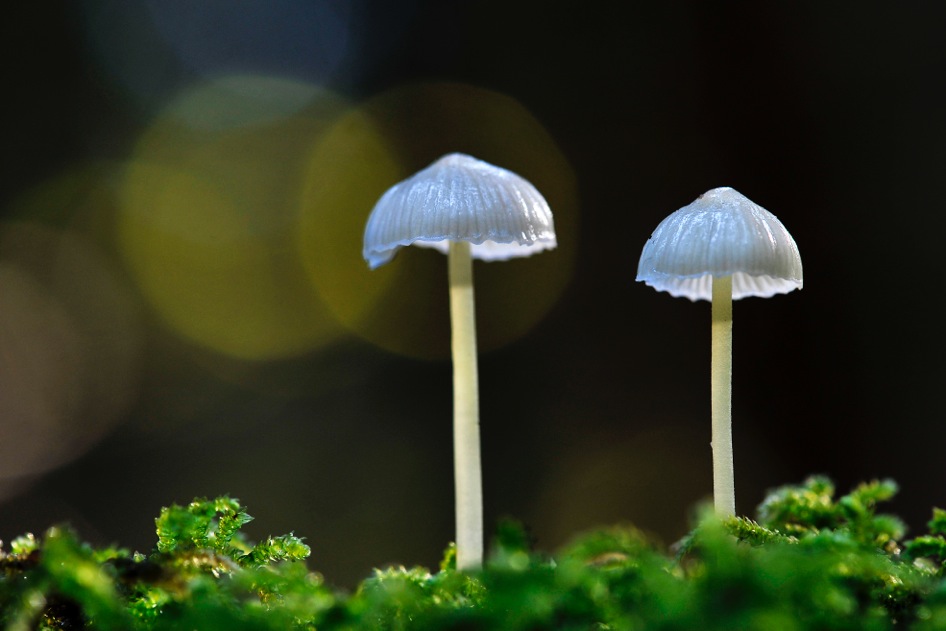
<point>466,412</point>
<point>724,490</point>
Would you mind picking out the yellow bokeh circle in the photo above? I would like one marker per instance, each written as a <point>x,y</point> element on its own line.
<point>403,306</point>
<point>208,217</point>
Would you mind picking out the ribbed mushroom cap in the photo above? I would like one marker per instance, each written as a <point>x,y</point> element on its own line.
<point>722,233</point>
<point>460,198</point>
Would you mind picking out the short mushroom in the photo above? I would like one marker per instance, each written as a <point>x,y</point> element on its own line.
<point>722,247</point>
<point>467,209</point>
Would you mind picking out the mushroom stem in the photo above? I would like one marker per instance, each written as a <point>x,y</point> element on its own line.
<point>724,490</point>
<point>466,413</point>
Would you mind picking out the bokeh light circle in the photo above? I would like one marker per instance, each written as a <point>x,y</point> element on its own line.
<point>146,50</point>
<point>306,39</point>
<point>243,100</point>
<point>207,219</point>
<point>403,305</point>
<point>71,340</point>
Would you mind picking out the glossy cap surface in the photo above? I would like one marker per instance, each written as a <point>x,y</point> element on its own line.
<point>460,198</point>
<point>722,233</point>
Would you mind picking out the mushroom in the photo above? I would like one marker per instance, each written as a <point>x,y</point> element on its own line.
<point>722,247</point>
<point>467,209</point>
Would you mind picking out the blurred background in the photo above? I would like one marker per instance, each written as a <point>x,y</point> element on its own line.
<point>184,310</point>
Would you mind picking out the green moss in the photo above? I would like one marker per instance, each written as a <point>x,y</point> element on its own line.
<point>930,550</point>
<point>808,560</point>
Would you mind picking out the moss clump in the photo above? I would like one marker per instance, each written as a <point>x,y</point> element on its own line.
<point>808,560</point>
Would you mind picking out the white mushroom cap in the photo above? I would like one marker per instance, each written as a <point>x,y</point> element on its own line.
<point>722,233</point>
<point>460,198</point>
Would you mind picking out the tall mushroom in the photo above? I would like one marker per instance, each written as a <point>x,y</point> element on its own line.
<point>721,248</point>
<point>467,209</point>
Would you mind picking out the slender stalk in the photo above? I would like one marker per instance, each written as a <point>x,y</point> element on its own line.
<point>724,489</point>
<point>466,410</point>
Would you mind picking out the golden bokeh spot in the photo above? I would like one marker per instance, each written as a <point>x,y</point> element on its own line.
<point>207,227</point>
<point>349,169</point>
<point>403,306</point>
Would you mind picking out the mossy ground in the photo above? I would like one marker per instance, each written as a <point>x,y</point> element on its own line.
<point>809,560</point>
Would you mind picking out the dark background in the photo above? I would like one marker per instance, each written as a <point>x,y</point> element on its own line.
<point>595,408</point>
